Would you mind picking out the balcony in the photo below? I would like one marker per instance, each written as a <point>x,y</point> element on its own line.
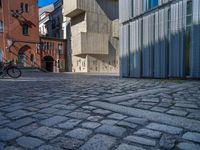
<point>73,8</point>
<point>90,43</point>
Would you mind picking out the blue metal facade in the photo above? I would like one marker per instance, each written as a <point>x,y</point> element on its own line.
<point>158,37</point>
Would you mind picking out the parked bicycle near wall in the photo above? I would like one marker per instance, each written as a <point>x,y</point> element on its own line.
<point>11,70</point>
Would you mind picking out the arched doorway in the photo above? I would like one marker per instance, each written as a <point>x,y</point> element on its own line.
<point>22,58</point>
<point>48,62</point>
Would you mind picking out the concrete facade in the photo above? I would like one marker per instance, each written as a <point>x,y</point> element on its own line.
<point>160,39</point>
<point>94,41</point>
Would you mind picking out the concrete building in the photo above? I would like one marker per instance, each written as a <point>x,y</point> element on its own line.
<point>19,36</point>
<point>94,35</point>
<point>160,38</point>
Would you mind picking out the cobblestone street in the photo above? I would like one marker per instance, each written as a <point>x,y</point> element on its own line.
<point>66,111</point>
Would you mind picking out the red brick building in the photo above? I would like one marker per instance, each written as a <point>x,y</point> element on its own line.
<point>20,40</point>
<point>19,24</point>
<point>53,54</point>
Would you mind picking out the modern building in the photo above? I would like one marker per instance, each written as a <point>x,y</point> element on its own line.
<point>94,35</point>
<point>19,36</point>
<point>160,38</point>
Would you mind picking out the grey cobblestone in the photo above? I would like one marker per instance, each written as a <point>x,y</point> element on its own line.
<point>52,107</point>
<point>90,125</point>
<point>149,133</point>
<point>109,122</point>
<point>99,142</point>
<point>177,112</point>
<point>78,115</point>
<point>49,147</point>
<point>195,137</point>
<point>111,130</point>
<point>7,134</point>
<point>117,116</point>
<point>20,123</point>
<point>79,133</point>
<point>126,124</point>
<point>188,146</point>
<point>18,114</point>
<point>67,143</point>
<point>12,148</point>
<point>102,111</point>
<point>53,120</point>
<point>46,133</point>
<point>2,145</point>
<point>29,142</point>
<point>167,142</point>
<point>164,128</point>
<point>129,147</point>
<point>70,124</point>
<point>135,120</point>
<point>141,140</point>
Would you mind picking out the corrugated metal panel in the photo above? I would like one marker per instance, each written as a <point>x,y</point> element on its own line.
<point>177,40</point>
<point>124,50</point>
<point>147,50</point>
<point>135,48</point>
<point>160,45</point>
<point>195,50</point>
<point>125,10</point>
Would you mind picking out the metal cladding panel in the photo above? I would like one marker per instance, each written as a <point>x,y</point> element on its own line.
<point>148,50</point>
<point>125,10</point>
<point>195,48</point>
<point>177,40</point>
<point>124,50</point>
<point>135,49</point>
<point>161,44</point>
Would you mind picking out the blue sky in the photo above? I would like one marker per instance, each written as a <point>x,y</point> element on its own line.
<point>45,2</point>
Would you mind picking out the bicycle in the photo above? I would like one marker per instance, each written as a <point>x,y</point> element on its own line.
<point>11,70</point>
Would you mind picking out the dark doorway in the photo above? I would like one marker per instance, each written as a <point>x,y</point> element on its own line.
<point>48,63</point>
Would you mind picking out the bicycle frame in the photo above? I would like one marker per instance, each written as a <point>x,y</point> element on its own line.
<point>6,66</point>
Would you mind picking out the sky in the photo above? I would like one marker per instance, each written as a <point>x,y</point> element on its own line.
<point>45,2</point>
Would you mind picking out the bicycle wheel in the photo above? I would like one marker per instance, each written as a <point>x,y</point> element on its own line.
<point>14,72</point>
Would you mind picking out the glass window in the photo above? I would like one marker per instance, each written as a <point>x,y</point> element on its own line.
<point>132,6</point>
<point>25,29</point>
<point>153,3</point>
<point>26,7</point>
<point>22,7</point>
<point>1,26</point>
<point>0,3</point>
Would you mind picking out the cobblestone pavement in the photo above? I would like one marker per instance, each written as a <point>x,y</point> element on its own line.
<point>66,111</point>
